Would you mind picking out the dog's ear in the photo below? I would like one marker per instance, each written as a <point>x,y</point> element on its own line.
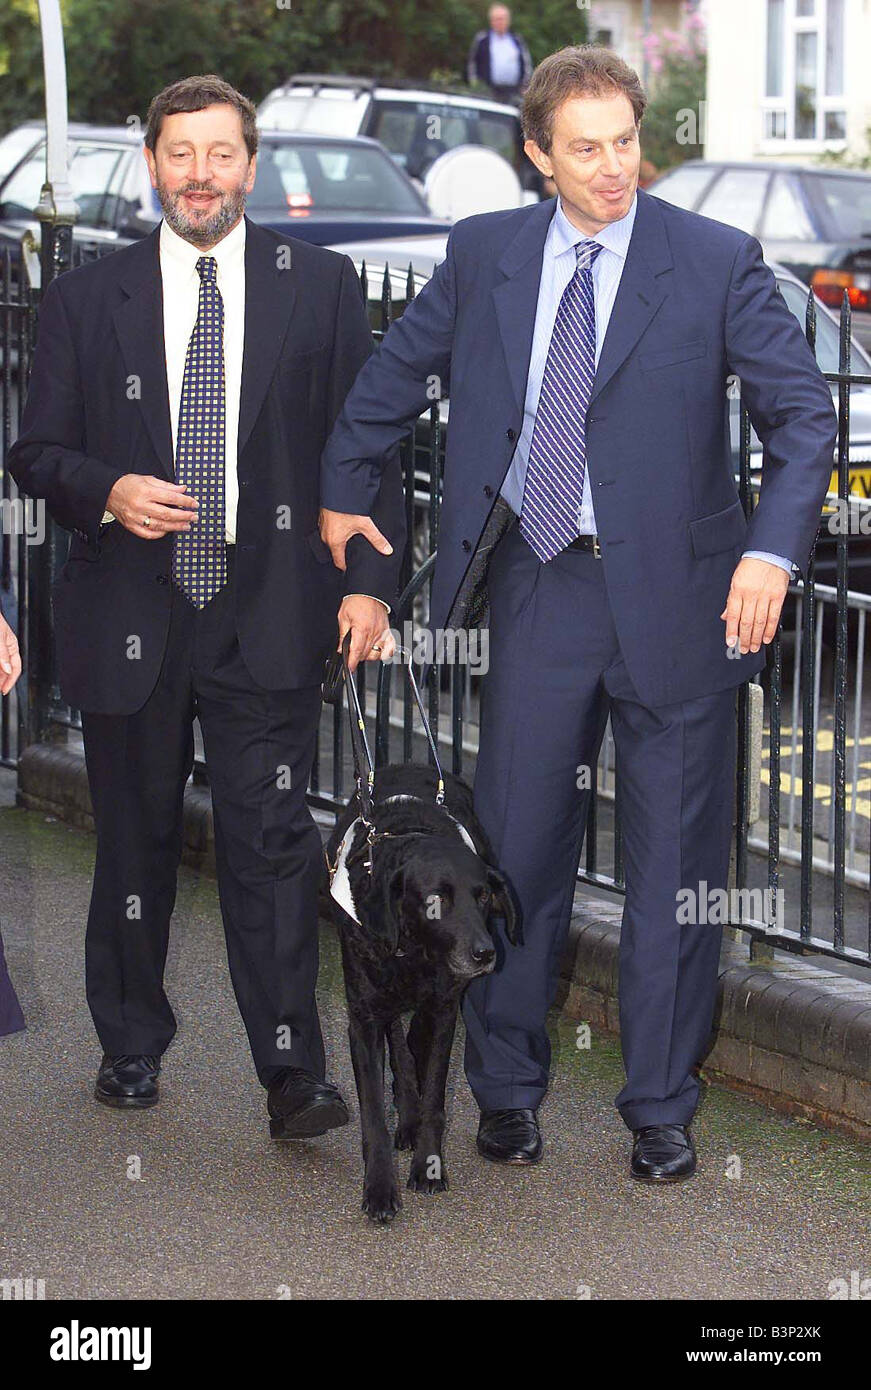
<point>505,904</point>
<point>383,907</point>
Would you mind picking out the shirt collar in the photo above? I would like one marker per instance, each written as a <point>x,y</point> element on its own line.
<point>613,237</point>
<point>229,251</point>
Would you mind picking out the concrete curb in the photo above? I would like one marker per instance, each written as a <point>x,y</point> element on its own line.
<point>788,1033</point>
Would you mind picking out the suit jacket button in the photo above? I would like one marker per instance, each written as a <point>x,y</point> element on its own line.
<point>488,491</point>
<point>467,545</point>
<point>512,434</point>
<point>163,579</point>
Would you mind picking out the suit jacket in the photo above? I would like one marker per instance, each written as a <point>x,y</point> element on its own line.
<point>696,304</point>
<point>98,408</point>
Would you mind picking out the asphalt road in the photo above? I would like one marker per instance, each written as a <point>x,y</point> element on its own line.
<point>193,1200</point>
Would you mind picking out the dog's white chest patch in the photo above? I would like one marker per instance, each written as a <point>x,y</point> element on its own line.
<point>340,883</point>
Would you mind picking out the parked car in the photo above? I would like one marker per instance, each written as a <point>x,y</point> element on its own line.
<point>16,144</point>
<point>416,125</point>
<point>811,218</point>
<point>318,188</point>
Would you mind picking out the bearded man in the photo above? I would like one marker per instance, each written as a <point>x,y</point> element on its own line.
<point>182,393</point>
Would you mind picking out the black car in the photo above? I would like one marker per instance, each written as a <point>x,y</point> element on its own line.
<point>314,187</point>
<point>811,218</point>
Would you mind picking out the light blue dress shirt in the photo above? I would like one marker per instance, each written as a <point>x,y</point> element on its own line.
<point>506,68</point>
<point>558,267</point>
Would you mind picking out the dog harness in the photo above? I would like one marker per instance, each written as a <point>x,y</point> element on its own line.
<point>340,884</point>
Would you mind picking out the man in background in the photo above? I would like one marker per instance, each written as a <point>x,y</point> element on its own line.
<point>499,58</point>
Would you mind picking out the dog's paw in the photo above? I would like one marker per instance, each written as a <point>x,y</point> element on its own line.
<point>381,1201</point>
<point>405,1136</point>
<point>429,1176</point>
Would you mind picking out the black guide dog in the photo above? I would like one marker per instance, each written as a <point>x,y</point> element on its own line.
<point>426,915</point>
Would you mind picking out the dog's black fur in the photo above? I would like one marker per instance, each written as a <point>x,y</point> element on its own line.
<point>426,929</point>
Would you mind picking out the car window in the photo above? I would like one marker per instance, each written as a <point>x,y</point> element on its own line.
<point>295,180</point>
<point>91,168</point>
<point>736,198</point>
<point>329,112</point>
<point>785,216</point>
<point>14,146</point>
<point>122,202</point>
<point>20,193</point>
<point>499,133</point>
<point>847,203</point>
<point>683,187</point>
<point>394,125</point>
<point>828,337</point>
<point>436,129</point>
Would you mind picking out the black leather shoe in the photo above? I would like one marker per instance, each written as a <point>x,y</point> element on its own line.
<point>300,1106</point>
<point>128,1082</point>
<point>509,1136</point>
<point>662,1153</point>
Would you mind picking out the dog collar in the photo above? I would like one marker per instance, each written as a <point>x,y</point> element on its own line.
<point>406,796</point>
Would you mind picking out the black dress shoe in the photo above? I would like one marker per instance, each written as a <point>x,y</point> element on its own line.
<point>662,1153</point>
<point>509,1136</point>
<point>128,1082</point>
<point>300,1106</point>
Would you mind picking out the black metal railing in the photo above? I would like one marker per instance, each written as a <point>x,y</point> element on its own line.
<point>776,844</point>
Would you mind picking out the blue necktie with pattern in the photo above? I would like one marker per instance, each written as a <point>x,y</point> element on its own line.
<point>554,487</point>
<point>199,564</point>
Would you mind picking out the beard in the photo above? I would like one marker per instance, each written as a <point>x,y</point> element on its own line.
<point>202,231</point>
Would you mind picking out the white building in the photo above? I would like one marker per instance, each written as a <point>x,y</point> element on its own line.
<point>787,77</point>
<point>620,24</point>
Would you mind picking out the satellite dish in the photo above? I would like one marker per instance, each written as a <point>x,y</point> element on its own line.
<point>471,179</point>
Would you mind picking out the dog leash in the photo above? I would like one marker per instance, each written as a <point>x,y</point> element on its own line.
<point>364,770</point>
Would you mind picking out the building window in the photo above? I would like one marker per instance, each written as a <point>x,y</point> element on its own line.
<point>804,71</point>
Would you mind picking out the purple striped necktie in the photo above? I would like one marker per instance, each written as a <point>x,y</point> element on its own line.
<point>554,488</point>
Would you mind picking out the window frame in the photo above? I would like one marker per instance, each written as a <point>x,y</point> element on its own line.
<point>784,105</point>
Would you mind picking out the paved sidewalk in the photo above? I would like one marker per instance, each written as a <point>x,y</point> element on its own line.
<point>221,1212</point>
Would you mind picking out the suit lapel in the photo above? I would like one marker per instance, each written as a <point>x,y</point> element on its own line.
<point>516,298</point>
<point>267,314</point>
<point>640,292</point>
<point>139,326</point>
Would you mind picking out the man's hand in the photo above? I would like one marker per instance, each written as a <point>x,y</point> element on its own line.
<point>337,528</point>
<point>755,600</point>
<point>10,658</point>
<point>371,638</point>
<point>167,506</point>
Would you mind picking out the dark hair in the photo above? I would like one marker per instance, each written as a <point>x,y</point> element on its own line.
<point>583,70</point>
<point>195,94</point>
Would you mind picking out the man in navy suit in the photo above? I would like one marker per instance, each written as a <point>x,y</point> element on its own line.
<point>587,344</point>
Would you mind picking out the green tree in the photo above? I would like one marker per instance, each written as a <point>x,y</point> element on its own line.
<point>120,52</point>
<point>672,129</point>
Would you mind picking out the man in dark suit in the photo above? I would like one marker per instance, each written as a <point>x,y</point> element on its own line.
<point>587,345</point>
<point>181,394</point>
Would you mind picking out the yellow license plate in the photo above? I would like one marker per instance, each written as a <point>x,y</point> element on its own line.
<point>860,482</point>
